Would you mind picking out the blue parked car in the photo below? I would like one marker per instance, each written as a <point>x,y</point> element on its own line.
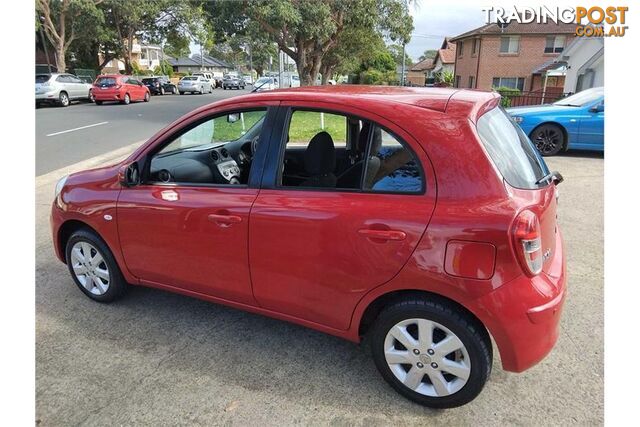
<point>575,122</point>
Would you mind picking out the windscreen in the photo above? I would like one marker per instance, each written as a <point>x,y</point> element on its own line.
<point>106,81</point>
<point>145,81</point>
<point>189,78</point>
<point>511,150</point>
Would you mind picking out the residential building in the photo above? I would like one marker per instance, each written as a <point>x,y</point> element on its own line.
<point>510,56</point>
<point>584,61</point>
<point>445,58</point>
<point>146,56</point>
<point>196,63</point>
<point>421,73</point>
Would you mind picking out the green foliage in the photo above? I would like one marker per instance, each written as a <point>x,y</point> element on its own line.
<point>429,53</point>
<point>506,94</point>
<point>397,52</point>
<point>164,69</point>
<point>446,78</point>
<point>382,61</point>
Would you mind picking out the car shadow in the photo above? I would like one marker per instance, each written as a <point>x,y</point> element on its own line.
<point>195,338</point>
<point>585,154</point>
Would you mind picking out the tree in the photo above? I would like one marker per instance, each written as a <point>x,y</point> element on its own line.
<point>308,30</point>
<point>429,53</point>
<point>64,22</point>
<point>397,51</point>
<point>177,43</point>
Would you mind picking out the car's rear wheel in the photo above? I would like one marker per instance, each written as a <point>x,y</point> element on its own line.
<point>63,99</point>
<point>127,99</point>
<point>146,97</point>
<point>91,97</point>
<point>548,139</point>
<point>181,93</point>
<point>98,102</point>
<point>431,353</point>
<point>161,90</point>
<point>93,267</point>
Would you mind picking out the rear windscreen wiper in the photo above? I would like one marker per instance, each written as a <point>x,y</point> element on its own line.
<point>554,177</point>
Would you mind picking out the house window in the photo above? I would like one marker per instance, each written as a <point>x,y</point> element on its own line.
<point>555,44</point>
<point>457,81</point>
<point>475,46</point>
<point>509,44</point>
<point>510,82</point>
<point>460,49</point>
<point>471,82</point>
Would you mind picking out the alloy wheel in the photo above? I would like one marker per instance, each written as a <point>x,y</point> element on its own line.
<point>64,99</point>
<point>548,140</point>
<point>427,357</point>
<point>90,268</point>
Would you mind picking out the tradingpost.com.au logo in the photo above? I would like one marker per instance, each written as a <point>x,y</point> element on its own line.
<point>593,21</point>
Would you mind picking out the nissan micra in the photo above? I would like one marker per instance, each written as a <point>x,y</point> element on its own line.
<point>419,221</point>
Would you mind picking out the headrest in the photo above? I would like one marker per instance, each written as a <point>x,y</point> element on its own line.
<point>320,156</point>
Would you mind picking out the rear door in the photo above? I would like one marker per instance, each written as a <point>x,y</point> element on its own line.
<point>316,249</point>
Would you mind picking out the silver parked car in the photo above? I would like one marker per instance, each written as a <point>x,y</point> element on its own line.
<point>61,89</point>
<point>194,84</point>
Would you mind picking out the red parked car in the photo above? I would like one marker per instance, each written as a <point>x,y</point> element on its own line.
<point>119,88</point>
<point>423,220</point>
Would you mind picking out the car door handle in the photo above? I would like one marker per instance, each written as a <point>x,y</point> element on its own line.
<point>224,220</point>
<point>382,234</point>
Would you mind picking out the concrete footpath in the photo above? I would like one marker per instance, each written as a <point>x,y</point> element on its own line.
<point>155,358</point>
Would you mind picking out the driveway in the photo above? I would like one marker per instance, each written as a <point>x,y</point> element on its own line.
<point>156,358</point>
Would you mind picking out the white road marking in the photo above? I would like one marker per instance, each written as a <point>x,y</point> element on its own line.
<point>75,129</point>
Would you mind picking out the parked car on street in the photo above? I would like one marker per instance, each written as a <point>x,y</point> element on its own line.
<point>420,221</point>
<point>575,122</point>
<point>159,85</point>
<point>119,88</point>
<point>265,83</point>
<point>248,79</point>
<point>194,84</point>
<point>233,82</point>
<point>61,89</point>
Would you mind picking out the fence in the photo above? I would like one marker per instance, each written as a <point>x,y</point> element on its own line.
<point>513,98</point>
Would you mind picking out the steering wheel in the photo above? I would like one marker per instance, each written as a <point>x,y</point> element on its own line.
<point>254,145</point>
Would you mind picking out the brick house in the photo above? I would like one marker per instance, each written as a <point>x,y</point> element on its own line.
<point>420,73</point>
<point>490,56</point>
<point>445,59</point>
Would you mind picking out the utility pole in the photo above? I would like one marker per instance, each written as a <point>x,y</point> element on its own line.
<point>404,56</point>
<point>279,68</point>
<point>250,60</point>
<point>201,58</point>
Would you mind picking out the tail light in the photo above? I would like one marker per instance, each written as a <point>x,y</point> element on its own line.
<point>528,242</point>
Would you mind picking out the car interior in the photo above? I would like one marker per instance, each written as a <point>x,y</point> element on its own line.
<point>349,153</point>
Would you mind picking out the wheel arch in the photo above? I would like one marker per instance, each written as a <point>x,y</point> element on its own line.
<point>565,134</point>
<point>67,229</point>
<point>374,308</point>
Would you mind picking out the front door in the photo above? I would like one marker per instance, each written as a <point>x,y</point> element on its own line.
<point>324,232</point>
<point>186,226</point>
<point>592,127</point>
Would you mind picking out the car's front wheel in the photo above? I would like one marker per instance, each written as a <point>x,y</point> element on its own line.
<point>127,99</point>
<point>93,267</point>
<point>431,353</point>
<point>548,139</point>
<point>146,97</point>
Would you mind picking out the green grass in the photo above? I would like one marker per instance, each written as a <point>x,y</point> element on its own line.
<point>306,124</point>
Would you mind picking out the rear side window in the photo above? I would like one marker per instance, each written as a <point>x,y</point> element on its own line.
<point>42,78</point>
<point>511,150</point>
<point>106,81</point>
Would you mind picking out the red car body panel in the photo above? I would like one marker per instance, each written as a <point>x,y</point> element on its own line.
<point>117,93</point>
<point>301,256</point>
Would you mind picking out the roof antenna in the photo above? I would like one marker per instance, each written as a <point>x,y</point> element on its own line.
<point>502,25</point>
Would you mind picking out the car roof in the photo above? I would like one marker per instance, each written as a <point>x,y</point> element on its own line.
<point>464,102</point>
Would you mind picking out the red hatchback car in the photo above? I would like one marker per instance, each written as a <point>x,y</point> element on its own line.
<point>119,88</point>
<point>421,220</point>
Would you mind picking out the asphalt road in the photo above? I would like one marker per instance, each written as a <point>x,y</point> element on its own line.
<point>106,127</point>
<point>156,358</point>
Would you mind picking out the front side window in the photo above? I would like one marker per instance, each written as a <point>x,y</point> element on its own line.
<point>509,44</point>
<point>554,44</point>
<point>216,151</point>
<point>332,151</point>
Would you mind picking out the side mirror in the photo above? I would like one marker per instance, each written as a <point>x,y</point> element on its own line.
<point>130,175</point>
<point>232,118</point>
<point>597,108</point>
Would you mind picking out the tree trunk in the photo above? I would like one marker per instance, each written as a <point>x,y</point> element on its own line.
<point>326,71</point>
<point>259,69</point>
<point>128,69</point>
<point>61,64</point>
<point>308,67</point>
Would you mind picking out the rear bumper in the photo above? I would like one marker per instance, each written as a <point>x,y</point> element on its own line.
<point>523,315</point>
<point>111,96</point>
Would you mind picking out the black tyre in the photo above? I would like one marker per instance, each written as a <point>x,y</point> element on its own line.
<point>98,102</point>
<point>181,93</point>
<point>127,99</point>
<point>63,99</point>
<point>431,352</point>
<point>93,267</point>
<point>161,90</point>
<point>147,97</point>
<point>548,138</point>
